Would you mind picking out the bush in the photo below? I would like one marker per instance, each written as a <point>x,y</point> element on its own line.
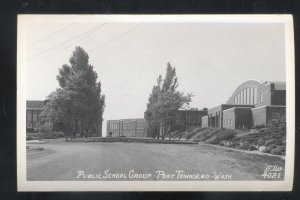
<point>220,136</point>
<point>244,145</point>
<point>269,148</point>
<point>270,141</point>
<point>226,134</point>
<point>280,150</point>
<point>226,143</point>
<point>53,135</point>
<point>253,147</point>
<point>261,142</point>
<point>260,126</point>
<point>263,130</point>
<point>212,140</point>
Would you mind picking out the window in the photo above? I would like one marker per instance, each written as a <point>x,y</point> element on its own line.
<point>188,118</point>
<point>245,96</point>
<point>251,96</point>
<point>29,119</point>
<point>242,97</point>
<point>248,96</point>
<point>255,95</point>
<point>275,115</point>
<point>261,97</point>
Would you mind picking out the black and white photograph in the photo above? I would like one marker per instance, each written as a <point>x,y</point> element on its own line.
<point>155,103</point>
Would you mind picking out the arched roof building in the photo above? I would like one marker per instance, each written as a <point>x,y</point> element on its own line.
<point>259,93</point>
<point>252,103</point>
<point>245,93</point>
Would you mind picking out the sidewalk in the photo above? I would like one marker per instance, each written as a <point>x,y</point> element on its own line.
<point>45,140</point>
<point>131,139</point>
<point>244,151</point>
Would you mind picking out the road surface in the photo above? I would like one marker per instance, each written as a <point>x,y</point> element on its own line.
<point>115,161</point>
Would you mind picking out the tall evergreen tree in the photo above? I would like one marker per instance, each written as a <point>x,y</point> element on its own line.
<point>78,103</point>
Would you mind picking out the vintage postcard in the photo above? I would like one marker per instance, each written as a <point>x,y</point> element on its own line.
<point>155,103</point>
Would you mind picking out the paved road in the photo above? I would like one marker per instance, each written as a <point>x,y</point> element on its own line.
<point>63,161</point>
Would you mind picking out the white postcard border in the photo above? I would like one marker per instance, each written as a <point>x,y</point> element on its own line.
<point>24,185</point>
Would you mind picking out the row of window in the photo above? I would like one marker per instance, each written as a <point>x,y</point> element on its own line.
<point>115,126</point>
<point>246,96</point>
<point>191,118</point>
<point>135,134</point>
<point>227,122</point>
<point>32,119</point>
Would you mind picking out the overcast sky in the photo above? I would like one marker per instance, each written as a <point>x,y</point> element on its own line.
<point>211,59</point>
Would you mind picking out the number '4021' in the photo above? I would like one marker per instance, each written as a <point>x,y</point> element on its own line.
<point>271,175</point>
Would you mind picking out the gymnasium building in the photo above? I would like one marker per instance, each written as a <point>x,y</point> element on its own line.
<point>252,104</point>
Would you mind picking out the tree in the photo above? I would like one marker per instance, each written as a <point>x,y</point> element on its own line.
<point>151,114</point>
<point>163,103</point>
<point>77,105</point>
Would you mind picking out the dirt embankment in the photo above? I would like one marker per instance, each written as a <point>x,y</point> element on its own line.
<point>266,140</point>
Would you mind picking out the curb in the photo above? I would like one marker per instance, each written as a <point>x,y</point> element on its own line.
<point>245,151</point>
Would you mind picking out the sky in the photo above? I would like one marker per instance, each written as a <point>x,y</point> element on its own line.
<point>211,59</point>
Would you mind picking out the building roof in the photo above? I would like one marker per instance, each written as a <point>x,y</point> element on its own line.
<point>126,120</point>
<point>34,104</point>
<point>279,86</point>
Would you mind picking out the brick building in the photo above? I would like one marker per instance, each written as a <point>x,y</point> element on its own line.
<point>33,111</point>
<point>252,104</point>
<point>126,128</point>
<point>188,119</point>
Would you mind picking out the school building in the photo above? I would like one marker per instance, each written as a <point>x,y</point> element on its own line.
<point>252,104</point>
<point>126,128</point>
<point>33,111</point>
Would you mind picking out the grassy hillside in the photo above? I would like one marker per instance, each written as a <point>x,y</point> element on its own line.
<point>267,140</point>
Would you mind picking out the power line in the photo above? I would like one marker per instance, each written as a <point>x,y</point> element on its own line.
<point>110,41</point>
<point>116,38</point>
<point>83,38</point>
<point>47,61</point>
<point>52,34</point>
<point>65,41</point>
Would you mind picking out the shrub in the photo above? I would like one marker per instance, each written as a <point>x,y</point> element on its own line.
<point>213,140</point>
<point>280,150</point>
<point>270,141</point>
<point>260,126</point>
<point>284,142</point>
<point>269,148</point>
<point>263,130</point>
<point>220,136</point>
<point>261,142</point>
<point>53,135</point>
<point>252,148</point>
<point>244,145</point>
